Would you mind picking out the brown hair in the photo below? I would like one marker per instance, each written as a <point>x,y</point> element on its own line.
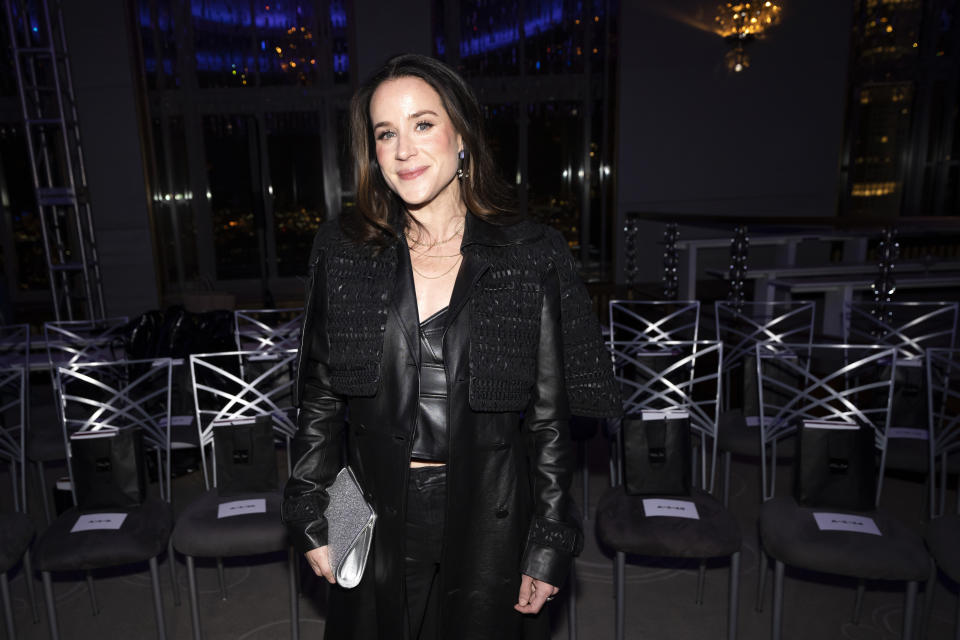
<point>379,211</point>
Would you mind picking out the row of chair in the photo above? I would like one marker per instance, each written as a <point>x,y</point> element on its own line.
<point>764,361</point>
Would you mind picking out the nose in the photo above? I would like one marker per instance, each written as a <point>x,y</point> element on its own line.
<point>405,147</point>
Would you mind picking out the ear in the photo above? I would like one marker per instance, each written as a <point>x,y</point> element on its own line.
<point>459,143</point>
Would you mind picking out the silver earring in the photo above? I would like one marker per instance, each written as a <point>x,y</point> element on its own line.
<point>461,174</point>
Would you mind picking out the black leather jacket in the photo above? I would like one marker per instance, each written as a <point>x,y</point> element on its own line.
<point>510,460</point>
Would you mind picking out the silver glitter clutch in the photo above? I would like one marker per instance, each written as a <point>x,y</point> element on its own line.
<point>350,523</point>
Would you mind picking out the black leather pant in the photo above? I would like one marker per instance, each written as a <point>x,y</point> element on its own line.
<point>426,501</point>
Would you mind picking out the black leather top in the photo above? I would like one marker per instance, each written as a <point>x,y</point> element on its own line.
<point>430,436</point>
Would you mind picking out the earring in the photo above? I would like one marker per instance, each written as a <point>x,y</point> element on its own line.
<point>461,174</point>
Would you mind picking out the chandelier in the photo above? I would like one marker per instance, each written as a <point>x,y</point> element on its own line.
<point>739,23</point>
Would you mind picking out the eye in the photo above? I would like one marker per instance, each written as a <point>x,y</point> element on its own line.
<point>423,125</point>
<point>383,135</point>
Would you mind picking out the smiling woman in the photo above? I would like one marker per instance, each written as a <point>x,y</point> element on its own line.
<point>458,337</point>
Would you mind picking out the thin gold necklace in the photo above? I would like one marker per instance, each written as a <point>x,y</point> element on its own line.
<point>423,253</point>
<point>431,245</point>
<point>423,275</point>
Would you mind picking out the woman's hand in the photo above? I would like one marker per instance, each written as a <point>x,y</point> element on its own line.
<point>319,560</point>
<point>533,593</point>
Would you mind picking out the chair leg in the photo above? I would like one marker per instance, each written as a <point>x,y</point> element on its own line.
<point>956,623</point>
<point>701,578</point>
<point>734,596</point>
<point>908,609</point>
<point>51,605</point>
<point>157,599</point>
<point>28,578</point>
<point>7,606</point>
<point>223,583</point>
<point>778,569</point>
<point>928,590</point>
<point>172,560</point>
<point>572,605</point>
<point>858,600</point>
<point>44,494</point>
<point>586,480</point>
<point>194,602</point>
<point>727,459</point>
<point>618,581</point>
<point>93,594</point>
<point>762,563</point>
<point>294,600</point>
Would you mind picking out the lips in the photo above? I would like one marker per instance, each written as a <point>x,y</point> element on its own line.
<point>411,174</point>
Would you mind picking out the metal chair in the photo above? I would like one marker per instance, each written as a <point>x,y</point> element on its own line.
<point>229,387</point>
<point>68,343</point>
<point>911,328</point>
<point>838,383</point>
<point>684,376</point>
<point>122,395</point>
<point>16,528</point>
<point>741,328</point>
<point>943,530</point>
<point>267,329</point>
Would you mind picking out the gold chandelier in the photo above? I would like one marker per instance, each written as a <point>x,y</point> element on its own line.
<point>739,23</point>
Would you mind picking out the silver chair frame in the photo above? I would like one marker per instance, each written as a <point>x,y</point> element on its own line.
<point>943,392</point>
<point>254,330</point>
<point>930,325</point>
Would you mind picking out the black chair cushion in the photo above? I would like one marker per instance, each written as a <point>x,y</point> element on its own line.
<point>943,538</point>
<point>738,438</point>
<point>790,534</point>
<point>623,526</point>
<point>16,533</point>
<point>200,533</point>
<point>143,535</point>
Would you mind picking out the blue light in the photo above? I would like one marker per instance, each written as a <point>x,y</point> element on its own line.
<point>538,65</point>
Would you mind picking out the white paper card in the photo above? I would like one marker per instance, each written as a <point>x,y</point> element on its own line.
<point>241,507</point>
<point>669,414</point>
<point>752,421</point>
<point>177,421</point>
<point>830,424</point>
<point>908,432</point>
<point>102,432</point>
<point>670,508</point>
<point>94,521</point>
<point>846,522</point>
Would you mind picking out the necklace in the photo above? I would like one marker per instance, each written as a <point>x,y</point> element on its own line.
<point>423,275</point>
<point>423,253</point>
<point>431,245</point>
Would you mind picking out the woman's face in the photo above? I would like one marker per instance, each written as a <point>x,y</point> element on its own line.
<point>417,146</point>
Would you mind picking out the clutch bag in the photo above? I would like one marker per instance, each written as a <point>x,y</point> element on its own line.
<point>350,521</point>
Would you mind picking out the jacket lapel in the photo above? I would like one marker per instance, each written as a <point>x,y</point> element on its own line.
<point>404,303</point>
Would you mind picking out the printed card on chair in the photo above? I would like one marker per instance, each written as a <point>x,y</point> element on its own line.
<point>94,521</point>
<point>670,508</point>
<point>241,507</point>
<point>846,522</point>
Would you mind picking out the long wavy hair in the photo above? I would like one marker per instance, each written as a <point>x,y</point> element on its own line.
<point>380,214</point>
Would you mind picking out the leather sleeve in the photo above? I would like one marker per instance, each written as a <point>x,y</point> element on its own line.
<point>554,536</point>
<point>316,448</point>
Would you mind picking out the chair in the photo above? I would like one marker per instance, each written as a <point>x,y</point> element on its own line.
<point>67,343</point>
<point>841,383</point>
<point>223,394</point>
<point>741,329</point>
<point>16,528</point>
<point>267,329</point>
<point>94,396</point>
<point>684,376</point>
<point>943,530</point>
<point>911,328</point>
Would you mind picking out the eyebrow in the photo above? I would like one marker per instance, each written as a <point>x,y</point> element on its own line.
<point>410,117</point>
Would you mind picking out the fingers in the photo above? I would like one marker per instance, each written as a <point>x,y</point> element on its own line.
<point>319,561</point>
<point>533,594</point>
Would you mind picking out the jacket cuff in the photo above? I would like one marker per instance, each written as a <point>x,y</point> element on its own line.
<point>551,546</point>
<point>306,525</point>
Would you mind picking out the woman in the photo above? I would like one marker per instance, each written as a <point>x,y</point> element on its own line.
<point>456,339</point>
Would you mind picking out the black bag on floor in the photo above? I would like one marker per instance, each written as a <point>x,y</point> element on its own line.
<point>656,454</point>
<point>245,456</point>
<point>836,466</point>
<point>108,468</point>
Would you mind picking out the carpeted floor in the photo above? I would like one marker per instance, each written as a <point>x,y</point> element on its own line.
<point>660,594</point>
